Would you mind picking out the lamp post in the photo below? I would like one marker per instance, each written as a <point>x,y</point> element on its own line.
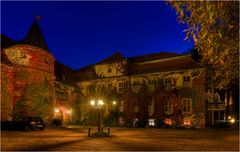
<point>98,105</point>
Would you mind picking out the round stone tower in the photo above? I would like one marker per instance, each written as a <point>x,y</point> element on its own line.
<point>33,68</point>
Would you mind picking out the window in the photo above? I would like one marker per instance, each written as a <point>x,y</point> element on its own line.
<point>109,70</point>
<point>167,106</point>
<point>186,81</point>
<point>135,107</point>
<point>135,83</point>
<point>168,121</point>
<point>47,60</point>
<point>168,83</point>
<point>151,122</point>
<point>61,95</point>
<point>152,82</point>
<point>187,122</point>
<point>24,54</point>
<point>120,87</point>
<point>121,106</point>
<point>187,105</point>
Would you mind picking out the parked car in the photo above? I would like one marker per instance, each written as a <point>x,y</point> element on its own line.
<point>24,123</point>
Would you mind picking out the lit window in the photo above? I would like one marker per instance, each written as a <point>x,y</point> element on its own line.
<point>168,121</point>
<point>187,105</point>
<point>187,122</point>
<point>151,122</point>
<point>109,70</point>
<point>186,81</point>
<point>167,106</point>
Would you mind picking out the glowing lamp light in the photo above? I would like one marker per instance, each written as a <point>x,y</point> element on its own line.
<point>114,102</point>
<point>69,112</point>
<point>229,117</point>
<point>100,102</point>
<point>57,110</point>
<point>92,102</point>
<point>232,120</point>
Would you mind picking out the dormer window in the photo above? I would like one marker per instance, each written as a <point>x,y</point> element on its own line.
<point>186,81</point>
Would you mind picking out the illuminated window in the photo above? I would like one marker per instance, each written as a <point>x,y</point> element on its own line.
<point>151,122</point>
<point>186,81</point>
<point>109,70</point>
<point>187,122</point>
<point>186,105</point>
<point>168,121</point>
<point>167,106</point>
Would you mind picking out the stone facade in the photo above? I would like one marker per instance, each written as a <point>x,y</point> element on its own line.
<point>150,95</point>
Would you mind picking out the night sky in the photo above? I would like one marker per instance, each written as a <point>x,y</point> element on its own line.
<point>82,33</point>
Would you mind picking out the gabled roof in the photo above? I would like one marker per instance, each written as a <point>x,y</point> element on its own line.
<point>86,73</point>
<point>35,37</point>
<point>151,57</point>
<point>184,62</point>
<point>6,41</point>
<point>64,74</point>
<point>113,58</point>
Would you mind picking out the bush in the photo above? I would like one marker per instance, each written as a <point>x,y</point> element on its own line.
<point>57,122</point>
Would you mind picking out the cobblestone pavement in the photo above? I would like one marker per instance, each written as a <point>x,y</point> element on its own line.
<point>121,139</point>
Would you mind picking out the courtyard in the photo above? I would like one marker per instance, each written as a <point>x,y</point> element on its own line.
<point>122,139</point>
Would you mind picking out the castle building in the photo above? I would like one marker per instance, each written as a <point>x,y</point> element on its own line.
<point>149,90</point>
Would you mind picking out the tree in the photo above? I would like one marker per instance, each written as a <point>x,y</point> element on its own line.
<point>214,26</point>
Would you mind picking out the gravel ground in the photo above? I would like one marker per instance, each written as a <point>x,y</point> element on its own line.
<point>121,139</point>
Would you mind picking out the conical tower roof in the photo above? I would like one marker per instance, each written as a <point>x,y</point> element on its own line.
<point>35,37</point>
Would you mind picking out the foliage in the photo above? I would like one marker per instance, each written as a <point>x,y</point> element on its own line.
<point>35,101</point>
<point>112,118</point>
<point>6,93</point>
<point>214,27</point>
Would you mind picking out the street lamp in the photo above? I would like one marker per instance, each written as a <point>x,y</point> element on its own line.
<point>92,102</point>
<point>99,104</point>
<point>57,110</point>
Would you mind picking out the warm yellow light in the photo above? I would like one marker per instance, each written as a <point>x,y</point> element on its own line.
<point>229,117</point>
<point>100,102</point>
<point>92,102</point>
<point>69,112</point>
<point>114,102</point>
<point>232,120</point>
<point>57,110</point>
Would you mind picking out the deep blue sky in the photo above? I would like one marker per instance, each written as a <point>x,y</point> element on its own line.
<point>82,33</point>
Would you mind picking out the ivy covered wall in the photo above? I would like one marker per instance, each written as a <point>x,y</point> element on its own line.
<point>7,79</point>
